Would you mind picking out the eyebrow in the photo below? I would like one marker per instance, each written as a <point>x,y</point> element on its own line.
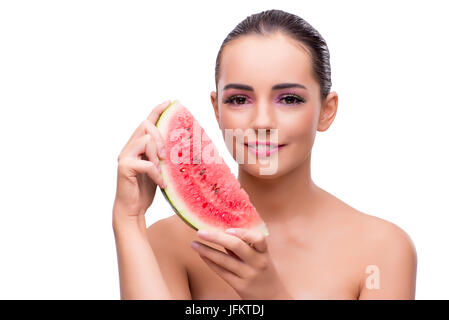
<point>275,87</point>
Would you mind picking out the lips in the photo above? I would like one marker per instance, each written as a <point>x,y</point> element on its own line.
<point>263,148</point>
<point>263,144</point>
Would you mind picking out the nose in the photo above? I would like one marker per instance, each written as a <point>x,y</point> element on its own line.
<point>263,117</point>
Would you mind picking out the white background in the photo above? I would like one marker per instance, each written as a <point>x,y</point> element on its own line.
<point>77,77</point>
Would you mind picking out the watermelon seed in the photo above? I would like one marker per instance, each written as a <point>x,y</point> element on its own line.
<point>216,190</point>
<point>182,169</point>
<point>187,128</point>
<point>214,186</point>
<point>202,172</point>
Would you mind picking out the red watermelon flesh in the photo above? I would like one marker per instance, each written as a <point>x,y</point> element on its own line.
<point>201,188</point>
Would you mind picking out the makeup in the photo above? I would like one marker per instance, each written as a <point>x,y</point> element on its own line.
<point>264,149</point>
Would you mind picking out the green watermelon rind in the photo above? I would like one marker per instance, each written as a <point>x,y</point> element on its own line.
<point>170,195</point>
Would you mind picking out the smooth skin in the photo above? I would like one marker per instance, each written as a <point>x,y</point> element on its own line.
<point>319,247</point>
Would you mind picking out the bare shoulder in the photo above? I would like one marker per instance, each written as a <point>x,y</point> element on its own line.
<point>384,234</point>
<point>388,259</point>
<point>163,227</point>
<point>169,234</point>
<point>167,238</point>
<point>370,230</point>
<point>374,234</point>
<point>384,255</point>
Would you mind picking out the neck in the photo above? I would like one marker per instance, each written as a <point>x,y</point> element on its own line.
<point>291,195</point>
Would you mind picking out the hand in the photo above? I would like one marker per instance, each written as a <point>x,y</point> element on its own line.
<point>138,168</point>
<point>247,266</point>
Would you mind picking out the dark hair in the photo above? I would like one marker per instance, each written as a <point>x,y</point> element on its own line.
<point>272,21</point>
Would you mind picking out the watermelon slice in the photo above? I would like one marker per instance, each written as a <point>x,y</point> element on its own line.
<point>201,188</point>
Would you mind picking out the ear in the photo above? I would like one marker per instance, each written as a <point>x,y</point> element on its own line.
<point>213,99</point>
<point>328,111</point>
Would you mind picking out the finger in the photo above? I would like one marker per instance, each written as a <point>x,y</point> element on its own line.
<point>156,134</point>
<point>232,254</point>
<point>136,166</point>
<point>143,146</point>
<point>226,275</point>
<point>253,237</point>
<point>140,131</point>
<point>143,128</point>
<point>146,128</point>
<point>220,258</point>
<point>151,150</point>
<point>228,241</point>
<point>136,147</point>
<point>157,111</point>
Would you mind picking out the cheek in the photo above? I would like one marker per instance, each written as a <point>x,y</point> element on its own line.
<point>300,127</point>
<point>232,120</point>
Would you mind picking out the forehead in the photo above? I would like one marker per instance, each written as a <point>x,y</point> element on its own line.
<point>262,61</point>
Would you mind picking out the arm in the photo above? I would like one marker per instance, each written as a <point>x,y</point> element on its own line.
<point>139,272</point>
<point>138,173</point>
<point>391,273</point>
<point>164,237</point>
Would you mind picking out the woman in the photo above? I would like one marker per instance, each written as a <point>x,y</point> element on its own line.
<point>272,72</point>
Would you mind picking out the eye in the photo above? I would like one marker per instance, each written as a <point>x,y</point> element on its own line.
<point>234,98</point>
<point>292,99</point>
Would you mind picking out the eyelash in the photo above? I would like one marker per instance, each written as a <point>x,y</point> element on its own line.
<point>298,98</point>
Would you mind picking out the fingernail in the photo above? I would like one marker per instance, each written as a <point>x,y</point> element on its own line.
<point>231,231</point>
<point>203,232</point>
<point>194,245</point>
<point>163,154</point>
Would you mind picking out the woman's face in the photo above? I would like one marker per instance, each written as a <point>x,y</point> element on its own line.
<point>260,63</point>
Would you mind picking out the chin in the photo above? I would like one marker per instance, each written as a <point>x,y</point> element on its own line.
<point>262,171</point>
